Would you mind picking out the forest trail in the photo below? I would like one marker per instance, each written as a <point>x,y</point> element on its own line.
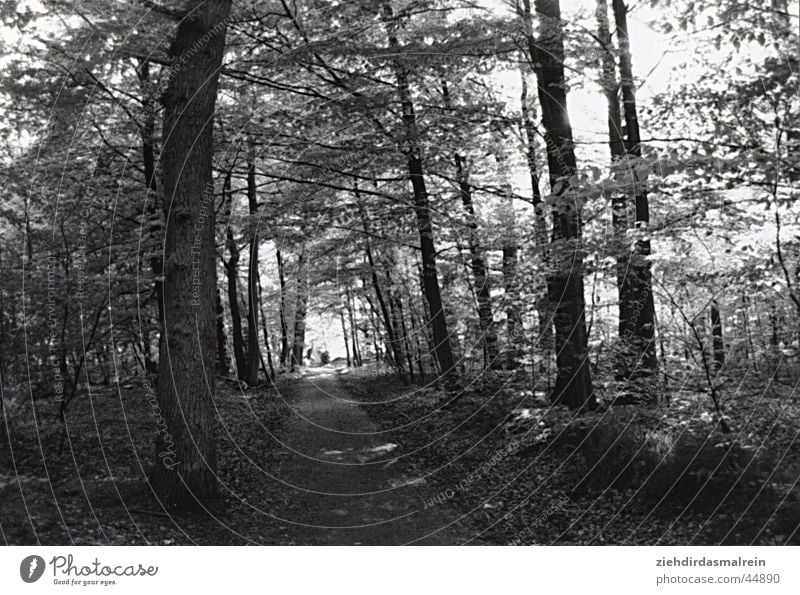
<point>342,474</point>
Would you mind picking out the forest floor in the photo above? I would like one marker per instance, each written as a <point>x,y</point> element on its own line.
<point>340,457</point>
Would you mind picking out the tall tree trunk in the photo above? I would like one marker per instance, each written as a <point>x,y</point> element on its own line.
<point>510,247</point>
<point>232,270</point>
<point>513,314</point>
<point>748,331</point>
<point>344,336</point>
<point>619,202</point>
<point>396,310</point>
<point>357,361</point>
<point>155,227</point>
<point>716,332</point>
<point>427,316</point>
<point>565,283</point>
<point>365,331</point>
<point>253,351</point>
<point>300,311</point>
<point>642,325</point>
<point>372,314</point>
<point>412,151</point>
<point>394,342</point>
<point>222,355</point>
<point>480,274</point>
<point>271,373</point>
<point>184,473</point>
<point>415,330</point>
<point>3,362</point>
<point>284,329</point>
<point>398,315</point>
<point>543,308</point>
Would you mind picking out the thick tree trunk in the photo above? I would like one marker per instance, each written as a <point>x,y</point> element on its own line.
<point>184,472</point>
<point>299,336</point>
<point>565,283</point>
<point>412,151</point>
<point>641,325</point>
<point>253,351</point>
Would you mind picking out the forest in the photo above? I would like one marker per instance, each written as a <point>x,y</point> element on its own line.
<point>448,272</point>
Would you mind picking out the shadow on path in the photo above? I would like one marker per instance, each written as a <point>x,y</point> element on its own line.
<point>347,491</point>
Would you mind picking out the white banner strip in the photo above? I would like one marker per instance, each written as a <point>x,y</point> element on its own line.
<point>399,571</point>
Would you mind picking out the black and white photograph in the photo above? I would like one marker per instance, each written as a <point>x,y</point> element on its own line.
<point>399,272</point>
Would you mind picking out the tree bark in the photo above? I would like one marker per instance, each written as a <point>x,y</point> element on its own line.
<point>271,373</point>
<point>412,151</point>
<point>232,270</point>
<point>513,314</point>
<point>544,310</point>
<point>394,343</point>
<point>253,351</point>
<point>565,283</point>
<point>284,329</point>
<point>718,340</point>
<point>183,476</point>
<point>641,325</point>
<point>222,355</point>
<point>398,314</point>
<point>344,336</point>
<point>480,274</point>
<point>415,331</point>
<point>155,227</point>
<point>299,336</point>
<point>625,364</point>
<point>510,248</point>
<point>357,361</point>
<point>377,338</point>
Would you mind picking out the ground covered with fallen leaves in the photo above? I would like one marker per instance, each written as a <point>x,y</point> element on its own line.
<point>513,469</point>
<point>491,463</point>
<point>85,483</point>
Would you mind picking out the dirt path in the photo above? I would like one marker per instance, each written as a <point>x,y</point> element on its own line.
<point>346,485</point>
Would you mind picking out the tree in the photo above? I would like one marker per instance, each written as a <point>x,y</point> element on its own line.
<point>300,310</point>
<point>413,152</point>
<point>183,476</point>
<point>543,309</point>
<point>253,351</point>
<point>565,284</point>
<point>642,360</point>
<point>232,274</point>
<point>616,144</point>
<point>480,273</point>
